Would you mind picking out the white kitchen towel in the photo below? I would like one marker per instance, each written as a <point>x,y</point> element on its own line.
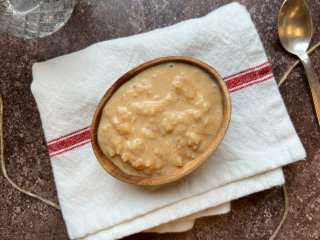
<point>260,138</point>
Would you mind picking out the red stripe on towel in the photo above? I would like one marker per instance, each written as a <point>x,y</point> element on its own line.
<point>248,77</point>
<point>68,142</point>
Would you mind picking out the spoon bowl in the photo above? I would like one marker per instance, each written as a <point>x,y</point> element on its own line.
<point>295,26</point>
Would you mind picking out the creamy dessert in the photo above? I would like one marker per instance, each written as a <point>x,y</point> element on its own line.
<point>161,119</point>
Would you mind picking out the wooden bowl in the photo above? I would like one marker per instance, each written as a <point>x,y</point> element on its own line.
<point>116,172</point>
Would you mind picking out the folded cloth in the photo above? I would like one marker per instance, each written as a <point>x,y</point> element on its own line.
<point>186,223</point>
<point>260,137</point>
<point>186,207</point>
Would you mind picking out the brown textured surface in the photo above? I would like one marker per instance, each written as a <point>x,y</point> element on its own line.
<point>252,217</point>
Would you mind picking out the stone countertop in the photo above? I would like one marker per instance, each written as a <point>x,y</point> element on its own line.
<point>252,217</point>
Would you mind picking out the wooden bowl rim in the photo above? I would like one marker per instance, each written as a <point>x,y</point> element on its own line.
<point>116,172</point>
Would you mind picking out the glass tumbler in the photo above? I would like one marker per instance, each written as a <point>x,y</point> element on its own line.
<point>34,18</point>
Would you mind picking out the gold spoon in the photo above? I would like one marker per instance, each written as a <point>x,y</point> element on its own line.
<point>295,31</point>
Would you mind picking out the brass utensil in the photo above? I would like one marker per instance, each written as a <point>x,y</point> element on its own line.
<point>295,30</point>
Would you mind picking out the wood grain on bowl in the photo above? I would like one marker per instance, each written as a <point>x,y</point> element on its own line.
<point>112,167</point>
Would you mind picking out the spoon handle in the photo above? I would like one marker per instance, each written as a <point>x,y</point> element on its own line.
<point>313,82</point>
